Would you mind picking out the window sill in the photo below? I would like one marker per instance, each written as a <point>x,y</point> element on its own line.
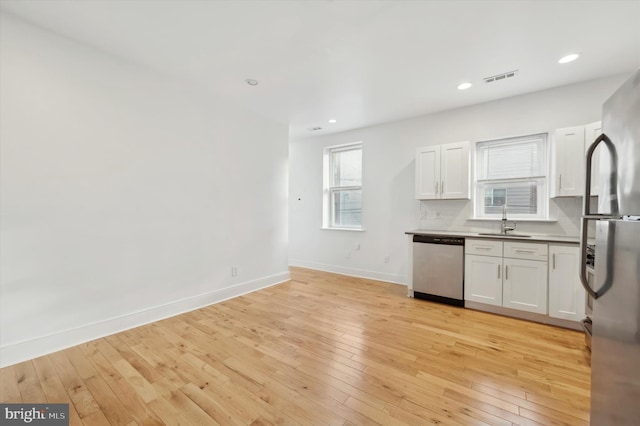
<point>343,229</point>
<point>511,219</point>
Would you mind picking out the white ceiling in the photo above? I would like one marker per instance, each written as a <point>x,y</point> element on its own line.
<point>360,62</point>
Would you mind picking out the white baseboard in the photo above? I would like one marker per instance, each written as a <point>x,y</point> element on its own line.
<point>352,272</point>
<point>43,345</point>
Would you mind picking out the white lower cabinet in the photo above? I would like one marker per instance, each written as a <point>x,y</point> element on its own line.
<point>524,285</point>
<point>483,280</point>
<point>566,295</point>
<point>517,282</point>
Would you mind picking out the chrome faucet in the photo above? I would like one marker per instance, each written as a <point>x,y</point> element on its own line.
<point>506,228</point>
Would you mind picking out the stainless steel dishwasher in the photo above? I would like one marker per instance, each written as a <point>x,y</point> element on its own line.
<point>438,269</point>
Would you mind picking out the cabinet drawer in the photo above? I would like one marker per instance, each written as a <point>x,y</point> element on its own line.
<point>528,251</point>
<point>483,247</point>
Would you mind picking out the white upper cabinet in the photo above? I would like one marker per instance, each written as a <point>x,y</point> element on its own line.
<point>591,132</point>
<point>454,170</point>
<point>568,162</point>
<point>442,171</point>
<point>570,145</point>
<point>428,173</point>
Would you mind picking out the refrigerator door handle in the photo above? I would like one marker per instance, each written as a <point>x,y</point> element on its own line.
<point>586,210</point>
<point>586,201</point>
<point>587,178</point>
<point>584,228</point>
<point>608,279</point>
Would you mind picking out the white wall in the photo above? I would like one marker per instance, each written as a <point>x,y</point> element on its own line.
<point>389,207</point>
<point>126,196</point>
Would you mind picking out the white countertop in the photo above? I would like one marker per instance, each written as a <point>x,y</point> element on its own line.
<point>512,236</point>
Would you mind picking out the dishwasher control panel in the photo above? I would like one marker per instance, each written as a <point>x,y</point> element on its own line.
<point>428,239</point>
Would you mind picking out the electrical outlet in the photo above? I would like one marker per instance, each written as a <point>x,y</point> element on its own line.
<point>356,246</point>
<point>234,271</point>
<point>348,255</point>
<point>387,259</point>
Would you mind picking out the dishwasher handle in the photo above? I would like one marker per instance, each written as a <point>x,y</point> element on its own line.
<point>434,239</point>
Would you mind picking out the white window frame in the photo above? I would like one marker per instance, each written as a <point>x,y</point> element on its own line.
<point>330,190</point>
<point>541,181</point>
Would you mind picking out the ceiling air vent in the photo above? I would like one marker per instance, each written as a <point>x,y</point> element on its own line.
<point>502,76</point>
<point>314,129</point>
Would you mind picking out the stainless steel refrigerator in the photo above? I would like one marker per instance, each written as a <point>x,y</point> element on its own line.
<point>615,288</point>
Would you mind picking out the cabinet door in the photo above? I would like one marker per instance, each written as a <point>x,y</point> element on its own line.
<point>591,132</point>
<point>428,172</point>
<point>483,279</point>
<point>454,170</point>
<point>525,285</point>
<point>566,295</point>
<point>569,165</point>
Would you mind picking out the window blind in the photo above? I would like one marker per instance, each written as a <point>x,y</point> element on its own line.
<point>517,158</point>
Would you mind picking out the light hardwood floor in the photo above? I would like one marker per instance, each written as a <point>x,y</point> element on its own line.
<point>320,349</point>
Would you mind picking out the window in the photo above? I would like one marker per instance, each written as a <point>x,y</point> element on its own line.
<point>512,171</point>
<point>343,187</point>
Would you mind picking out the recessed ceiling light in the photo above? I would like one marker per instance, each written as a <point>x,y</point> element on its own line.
<point>251,82</point>
<point>464,86</point>
<point>569,58</point>
<point>333,120</point>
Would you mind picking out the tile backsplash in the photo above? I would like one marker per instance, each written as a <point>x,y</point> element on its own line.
<point>455,215</point>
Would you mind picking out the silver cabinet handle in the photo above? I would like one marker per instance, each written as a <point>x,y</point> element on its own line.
<point>498,271</point>
<point>524,251</point>
<point>553,261</point>
<point>506,272</point>
<point>436,187</point>
<point>442,187</point>
<point>482,247</point>
<point>560,184</point>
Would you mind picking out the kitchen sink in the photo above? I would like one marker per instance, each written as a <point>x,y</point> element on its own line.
<point>497,234</point>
